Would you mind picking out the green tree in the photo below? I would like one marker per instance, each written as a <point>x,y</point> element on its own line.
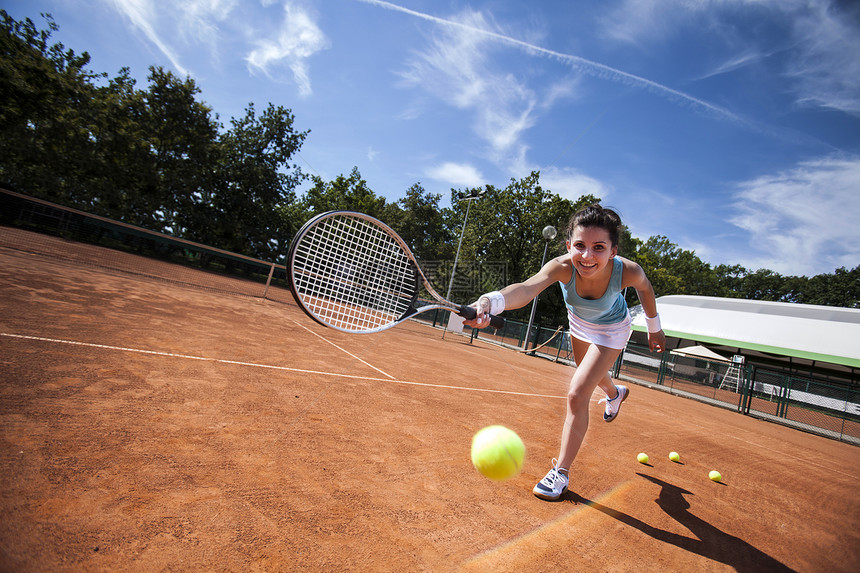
<point>349,193</point>
<point>421,223</point>
<point>505,228</point>
<point>730,278</point>
<point>763,284</point>
<point>46,115</point>
<point>119,177</point>
<point>673,270</point>
<point>154,157</point>
<point>252,186</point>
<point>840,288</point>
<point>181,136</point>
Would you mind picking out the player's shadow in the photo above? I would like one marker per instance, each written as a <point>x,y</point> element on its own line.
<point>708,541</point>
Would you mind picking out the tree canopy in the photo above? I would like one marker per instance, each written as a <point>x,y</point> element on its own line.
<point>154,157</point>
<point>158,157</point>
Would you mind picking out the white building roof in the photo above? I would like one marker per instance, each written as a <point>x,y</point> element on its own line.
<point>822,333</point>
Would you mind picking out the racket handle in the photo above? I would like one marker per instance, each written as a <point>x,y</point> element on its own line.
<point>469,313</point>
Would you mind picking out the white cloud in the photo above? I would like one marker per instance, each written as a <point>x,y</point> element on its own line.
<point>200,19</point>
<point>803,221</point>
<point>456,174</point>
<point>567,88</point>
<point>572,184</point>
<point>298,39</point>
<point>732,64</point>
<point>826,67</point>
<point>822,40</point>
<point>144,15</point>
<point>638,21</point>
<point>575,62</point>
<point>634,20</point>
<point>459,68</point>
<point>456,67</point>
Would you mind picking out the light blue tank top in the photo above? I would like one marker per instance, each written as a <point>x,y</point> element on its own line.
<point>608,309</point>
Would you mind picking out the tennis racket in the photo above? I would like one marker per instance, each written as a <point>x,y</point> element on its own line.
<point>353,273</point>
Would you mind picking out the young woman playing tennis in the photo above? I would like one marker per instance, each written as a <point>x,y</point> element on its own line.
<point>592,279</point>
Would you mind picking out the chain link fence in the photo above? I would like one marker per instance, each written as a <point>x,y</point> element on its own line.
<point>804,403</point>
<point>33,225</point>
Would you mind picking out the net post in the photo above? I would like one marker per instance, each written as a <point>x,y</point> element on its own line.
<point>269,279</point>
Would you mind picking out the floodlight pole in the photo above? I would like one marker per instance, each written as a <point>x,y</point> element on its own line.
<point>549,233</point>
<point>475,194</point>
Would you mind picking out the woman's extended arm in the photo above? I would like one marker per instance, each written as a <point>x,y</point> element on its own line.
<point>518,295</point>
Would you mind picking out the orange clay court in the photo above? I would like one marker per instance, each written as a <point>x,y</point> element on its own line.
<point>150,426</point>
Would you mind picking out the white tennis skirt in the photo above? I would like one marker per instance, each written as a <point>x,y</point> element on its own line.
<point>613,335</point>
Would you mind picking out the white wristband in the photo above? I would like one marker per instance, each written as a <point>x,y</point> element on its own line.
<point>653,323</point>
<point>494,301</point>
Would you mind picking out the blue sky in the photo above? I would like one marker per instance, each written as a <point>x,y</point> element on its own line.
<point>730,126</point>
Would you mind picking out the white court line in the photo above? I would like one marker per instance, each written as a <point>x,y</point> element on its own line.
<point>271,367</point>
<point>343,350</point>
<point>353,377</point>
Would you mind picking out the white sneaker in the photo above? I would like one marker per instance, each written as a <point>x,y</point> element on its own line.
<point>614,405</point>
<point>553,485</point>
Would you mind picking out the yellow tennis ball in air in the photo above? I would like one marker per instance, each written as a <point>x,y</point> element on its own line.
<point>674,456</point>
<point>642,458</point>
<point>715,475</point>
<point>498,453</point>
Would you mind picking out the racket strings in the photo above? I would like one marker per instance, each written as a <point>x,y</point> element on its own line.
<point>352,274</point>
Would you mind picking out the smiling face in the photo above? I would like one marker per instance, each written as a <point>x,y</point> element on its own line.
<point>590,250</point>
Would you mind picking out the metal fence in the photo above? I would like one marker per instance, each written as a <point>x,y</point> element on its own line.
<point>805,403</point>
<point>99,242</point>
<point>550,343</point>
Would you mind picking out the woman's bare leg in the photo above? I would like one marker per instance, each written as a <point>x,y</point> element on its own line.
<point>592,369</point>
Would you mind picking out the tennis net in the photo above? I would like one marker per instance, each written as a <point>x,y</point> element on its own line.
<point>46,229</point>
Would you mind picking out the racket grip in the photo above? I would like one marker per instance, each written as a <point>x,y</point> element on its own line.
<point>469,313</point>
<point>497,322</point>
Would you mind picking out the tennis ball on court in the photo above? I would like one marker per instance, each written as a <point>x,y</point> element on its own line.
<point>643,458</point>
<point>498,453</point>
<point>674,456</point>
<point>715,475</point>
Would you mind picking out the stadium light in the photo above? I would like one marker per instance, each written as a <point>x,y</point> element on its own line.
<point>469,197</point>
<point>549,233</point>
